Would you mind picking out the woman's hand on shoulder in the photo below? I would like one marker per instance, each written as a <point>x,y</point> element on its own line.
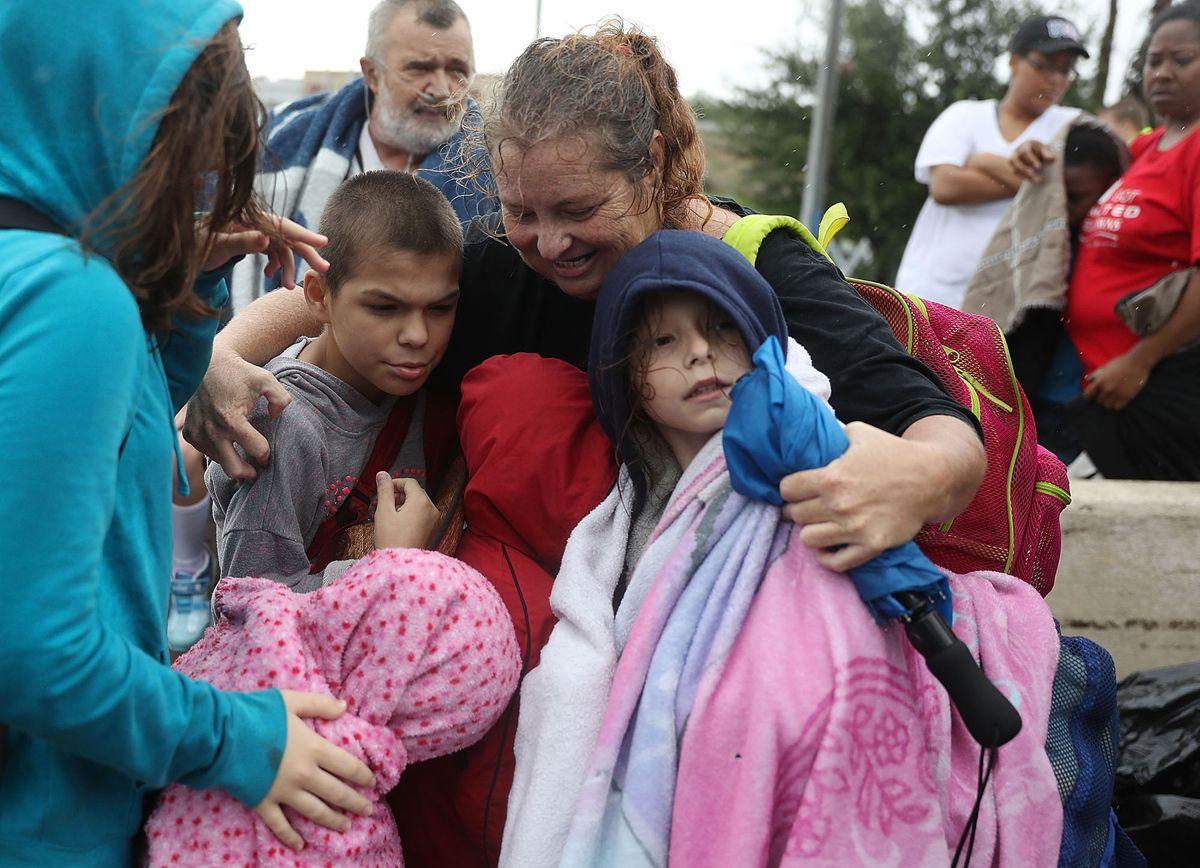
<point>216,416</point>
<point>884,488</point>
<point>405,517</point>
<point>314,777</point>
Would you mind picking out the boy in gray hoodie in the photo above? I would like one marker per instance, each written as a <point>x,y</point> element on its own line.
<point>388,302</point>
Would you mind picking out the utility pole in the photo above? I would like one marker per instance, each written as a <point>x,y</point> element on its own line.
<point>537,24</point>
<point>817,174</point>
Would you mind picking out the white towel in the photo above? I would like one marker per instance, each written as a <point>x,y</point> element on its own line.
<point>563,698</point>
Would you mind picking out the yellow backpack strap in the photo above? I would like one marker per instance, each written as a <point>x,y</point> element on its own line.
<point>833,221</point>
<point>747,234</point>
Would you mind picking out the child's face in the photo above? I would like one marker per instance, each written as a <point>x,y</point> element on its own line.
<point>691,354</point>
<point>1085,184</point>
<point>390,320</point>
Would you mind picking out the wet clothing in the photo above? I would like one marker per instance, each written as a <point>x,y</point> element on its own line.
<point>95,717</point>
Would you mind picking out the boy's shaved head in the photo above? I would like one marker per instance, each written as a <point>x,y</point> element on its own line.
<point>385,211</point>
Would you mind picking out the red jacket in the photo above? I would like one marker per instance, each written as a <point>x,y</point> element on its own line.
<point>538,463</point>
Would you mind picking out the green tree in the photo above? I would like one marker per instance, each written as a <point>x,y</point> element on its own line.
<point>903,64</point>
<point>1104,59</point>
<point>1133,76</point>
<point>966,37</point>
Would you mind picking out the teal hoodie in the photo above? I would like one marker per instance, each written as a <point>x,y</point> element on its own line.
<point>95,717</point>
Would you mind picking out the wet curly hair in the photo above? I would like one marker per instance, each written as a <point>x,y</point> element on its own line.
<point>612,87</point>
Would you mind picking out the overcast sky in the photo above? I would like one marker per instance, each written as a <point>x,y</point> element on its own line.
<point>714,46</point>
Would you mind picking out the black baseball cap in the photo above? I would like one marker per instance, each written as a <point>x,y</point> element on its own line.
<point>1048,34</point>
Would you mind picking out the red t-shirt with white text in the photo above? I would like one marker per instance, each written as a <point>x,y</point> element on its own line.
<point>1146,226</point>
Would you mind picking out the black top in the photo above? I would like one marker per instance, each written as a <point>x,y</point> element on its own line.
<point>506,307</point>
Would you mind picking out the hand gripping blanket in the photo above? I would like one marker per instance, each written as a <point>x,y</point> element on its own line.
<point>759,716</point>
<point>419,645</point>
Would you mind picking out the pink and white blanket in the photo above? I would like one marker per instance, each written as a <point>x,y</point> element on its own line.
<point>758,716</point>
<point>419,645</point>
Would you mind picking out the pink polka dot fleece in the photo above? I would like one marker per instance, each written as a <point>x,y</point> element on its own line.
<point>418,644</point>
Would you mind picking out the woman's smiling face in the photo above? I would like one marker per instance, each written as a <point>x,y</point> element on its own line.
<point>568,215</point>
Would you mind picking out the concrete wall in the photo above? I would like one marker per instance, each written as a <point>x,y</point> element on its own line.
<point>1129,577</point>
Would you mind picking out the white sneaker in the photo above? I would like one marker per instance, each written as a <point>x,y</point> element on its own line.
<point>1083,468</point>
<point>188,616</point>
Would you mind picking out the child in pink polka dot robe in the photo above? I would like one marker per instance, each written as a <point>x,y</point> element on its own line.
<point>419,646</point>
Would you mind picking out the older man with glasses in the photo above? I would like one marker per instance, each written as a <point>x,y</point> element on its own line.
<point>405,113</point>
<point>964,159</point>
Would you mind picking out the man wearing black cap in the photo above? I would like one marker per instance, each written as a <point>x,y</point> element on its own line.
<point>964,159</point>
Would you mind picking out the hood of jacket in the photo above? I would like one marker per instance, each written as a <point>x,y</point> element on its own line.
<point>670,261</point>
<point>537,458</point>
<point>84,88</point>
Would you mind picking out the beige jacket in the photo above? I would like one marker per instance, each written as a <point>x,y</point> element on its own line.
<point>1027,263</point>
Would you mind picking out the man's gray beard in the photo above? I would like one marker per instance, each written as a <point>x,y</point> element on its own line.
<point>401,128</point>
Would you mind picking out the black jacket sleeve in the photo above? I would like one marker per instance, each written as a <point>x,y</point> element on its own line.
<point>873,379</point>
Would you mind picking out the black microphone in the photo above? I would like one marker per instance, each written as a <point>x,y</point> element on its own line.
<point>988,715</point>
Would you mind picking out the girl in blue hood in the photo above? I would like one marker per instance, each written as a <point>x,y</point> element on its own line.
<point>675,325</point>
<point>707,674</point>
<point>113,111</point>
<point>676,322</point>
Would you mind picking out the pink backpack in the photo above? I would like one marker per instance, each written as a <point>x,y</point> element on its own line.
<point>1012,524</point>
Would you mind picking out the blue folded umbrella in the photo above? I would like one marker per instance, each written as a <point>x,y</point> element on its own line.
<point>776,427</point>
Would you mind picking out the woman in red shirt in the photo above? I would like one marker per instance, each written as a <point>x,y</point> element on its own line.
<point>1141,419</point>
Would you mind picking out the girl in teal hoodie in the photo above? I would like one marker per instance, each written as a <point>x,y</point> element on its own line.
<point>111,112</point>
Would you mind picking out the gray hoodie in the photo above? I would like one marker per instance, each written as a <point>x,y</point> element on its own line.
<point>319,445</point>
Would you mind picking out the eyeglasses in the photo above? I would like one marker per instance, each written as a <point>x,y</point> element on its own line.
<point>414,80</point>
<point>1047,69</point>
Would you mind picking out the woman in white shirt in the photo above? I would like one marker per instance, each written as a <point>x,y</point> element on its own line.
<point>964,160</point>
